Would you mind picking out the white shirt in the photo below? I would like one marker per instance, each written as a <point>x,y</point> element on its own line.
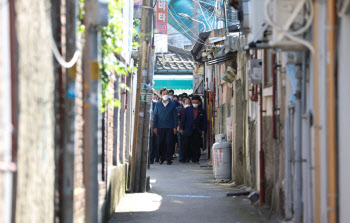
<point>165,104</point>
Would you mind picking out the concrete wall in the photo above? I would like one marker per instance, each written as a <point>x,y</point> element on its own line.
<point>35,182</point>
<point>116,186</point>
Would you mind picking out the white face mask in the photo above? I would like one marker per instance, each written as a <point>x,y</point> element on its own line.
<point>185,106</point>
<point>155,100</point>
<point>165,97</point>
<point>171,97</point>
<point>180,102</point>
<point>195,105</point>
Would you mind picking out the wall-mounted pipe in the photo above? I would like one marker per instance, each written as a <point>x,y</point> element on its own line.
<point>14,102</point>
<point>289,134</point>
<point>331,113</point>
<point>274,131</point>
<point>298,209</point>
<point>316,120</point>
<point>261,153</point>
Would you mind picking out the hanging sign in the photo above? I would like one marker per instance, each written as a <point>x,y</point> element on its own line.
<point>162,17</point>
<point>137,3</point>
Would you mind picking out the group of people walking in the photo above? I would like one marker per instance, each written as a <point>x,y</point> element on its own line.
<point>177,120</point>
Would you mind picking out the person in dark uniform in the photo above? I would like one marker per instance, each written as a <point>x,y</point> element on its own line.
<point>193,126</point>
<point>186,103</point>
<point>164,126</point>
<point>154,152</point>
<point>174,99</point>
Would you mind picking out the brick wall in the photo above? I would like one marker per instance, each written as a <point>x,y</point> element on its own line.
<point>79,189</point>
<point>110,126</point>
<point>107,158</point>
<point>112,188</point>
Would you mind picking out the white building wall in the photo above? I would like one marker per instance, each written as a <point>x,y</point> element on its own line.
<point>128,30</point>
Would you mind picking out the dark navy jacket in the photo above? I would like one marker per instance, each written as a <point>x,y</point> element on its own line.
<point>165,117</point>
<point>153,105</point>
<point>188,120</point>
<point>177,103</point>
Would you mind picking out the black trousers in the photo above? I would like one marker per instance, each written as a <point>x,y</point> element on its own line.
<point>154,151</point>
<point>165,143</point>
<point>174,142</point>
<point>192,147</point>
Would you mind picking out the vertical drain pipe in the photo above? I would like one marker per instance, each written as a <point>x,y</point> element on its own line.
<point>261,154</point>
<point>274,131</point>
<point>288,163</point>
<point>332,193</point>
<point>316,119</point>
<point>298,150</point>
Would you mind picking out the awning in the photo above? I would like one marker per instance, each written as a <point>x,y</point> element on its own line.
<point>173,81</point>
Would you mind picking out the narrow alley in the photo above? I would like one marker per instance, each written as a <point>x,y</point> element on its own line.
<point>188,193</point>
<point>135,110</point>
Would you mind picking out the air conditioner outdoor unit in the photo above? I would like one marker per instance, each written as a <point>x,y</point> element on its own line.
<point>252,19</point>
<point>289,20</point>
<point>293,16</point>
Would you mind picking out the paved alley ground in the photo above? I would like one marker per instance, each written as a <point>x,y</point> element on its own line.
<point>187,193</point>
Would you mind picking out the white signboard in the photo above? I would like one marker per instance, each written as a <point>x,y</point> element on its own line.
<point>161,43</point>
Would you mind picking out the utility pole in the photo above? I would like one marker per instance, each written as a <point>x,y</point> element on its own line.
<point>195,25</point>
<point>141,132</point>
<point>96,16</point>
<point>69,113</point>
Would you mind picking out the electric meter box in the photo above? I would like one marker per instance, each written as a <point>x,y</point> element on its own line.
<point>255,71</point>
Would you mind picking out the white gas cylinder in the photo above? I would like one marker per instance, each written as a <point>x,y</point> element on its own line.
<point>222,161</point>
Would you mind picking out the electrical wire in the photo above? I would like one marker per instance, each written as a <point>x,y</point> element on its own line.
<point>211,16</point>
<point>206,3</point>
<point>204,16</point>
<point>308,22</point>
<point>54,48</point>
<point>344,8</point>
<point>60,59</point>
<point>199,15</point>
<point>287,33</point>
<point>173,34</point>
<point>191,34</point>
<point>171,13</point>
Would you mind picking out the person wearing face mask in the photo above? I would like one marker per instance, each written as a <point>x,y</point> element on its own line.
<point>193,127</point>
<point>164,126</point>
<point>154,100</point>
<point>153,138</point>
<point>171,94</point>
<point>186,103</point>
<point>177,142</point>
<point>173,97</point>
